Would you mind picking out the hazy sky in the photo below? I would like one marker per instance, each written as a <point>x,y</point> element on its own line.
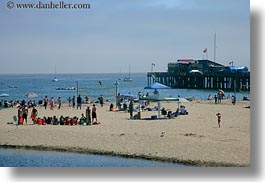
<point>115,33</point>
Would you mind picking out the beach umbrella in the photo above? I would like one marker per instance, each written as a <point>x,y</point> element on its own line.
<point>156,85</point>
<point>31,95</point>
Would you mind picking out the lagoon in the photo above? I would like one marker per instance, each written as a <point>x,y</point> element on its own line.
<point>35,158</point>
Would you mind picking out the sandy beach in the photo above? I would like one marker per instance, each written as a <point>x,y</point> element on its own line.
<point>193,139</point>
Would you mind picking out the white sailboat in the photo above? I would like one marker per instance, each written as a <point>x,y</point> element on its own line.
<point>55,79</point>
<point>128,79</point>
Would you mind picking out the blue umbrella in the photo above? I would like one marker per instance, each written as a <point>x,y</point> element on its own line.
<point>156,85</point>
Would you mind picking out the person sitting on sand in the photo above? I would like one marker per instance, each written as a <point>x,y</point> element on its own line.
<point>176,113</point>
<point>55,120</point>
<point>82,119</point>
<point>111,107</point>
<point>61,120</point>
<point>163,111</point>
<point>183,110</point>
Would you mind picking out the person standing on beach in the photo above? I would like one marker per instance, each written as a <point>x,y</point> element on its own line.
<point>20,115</point>
<point>34,114</point>
<point>215,99</point>
<point>25,113</point>
<point>79,102</point>
<point>94,114</point>
<point>88,117</point>
<point>73,101</point>
<point>69,101</point>
<point>219,119</point>
<point>233,100</point>
<point>101,100</point>
<point>59,102</point>
<point>45,102</point>
<point>51,103</point>
<point>131,109</point>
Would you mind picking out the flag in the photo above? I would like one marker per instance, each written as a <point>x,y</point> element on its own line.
<point>205,50</point>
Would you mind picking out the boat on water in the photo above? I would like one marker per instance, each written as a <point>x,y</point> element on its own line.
<point>66,88</point>
<point>4,95</point>
<point>55,79</point>
<point>128,79</point>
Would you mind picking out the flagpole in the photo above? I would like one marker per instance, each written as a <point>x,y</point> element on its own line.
<point>214,47</point>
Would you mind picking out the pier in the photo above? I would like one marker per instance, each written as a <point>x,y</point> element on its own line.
<point>202,74</point>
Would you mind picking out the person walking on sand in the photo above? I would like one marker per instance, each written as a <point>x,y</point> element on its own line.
<point>219,119</point>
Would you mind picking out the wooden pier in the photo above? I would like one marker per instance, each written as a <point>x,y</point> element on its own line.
<point>224,81</point>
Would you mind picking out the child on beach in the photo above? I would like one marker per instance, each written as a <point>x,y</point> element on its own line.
<point>219,119</point>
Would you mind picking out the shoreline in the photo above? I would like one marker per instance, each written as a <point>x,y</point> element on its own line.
<point>194,139</point>
<point>189,163</point>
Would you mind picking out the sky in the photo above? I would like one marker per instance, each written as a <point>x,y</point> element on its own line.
<point>114,34</point>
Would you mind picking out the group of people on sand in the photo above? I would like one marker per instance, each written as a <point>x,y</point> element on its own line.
<point>23,111</point>
<point>22,114</point>
<point>179,111</point>
<point>69,121</point>
<point>53,120</point>
<point>51,103</point>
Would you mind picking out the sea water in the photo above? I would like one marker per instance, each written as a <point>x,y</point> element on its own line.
<point>34,158</point>
<point>91,85</point>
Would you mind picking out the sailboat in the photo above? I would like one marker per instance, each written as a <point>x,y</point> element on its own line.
<point>55,79</point>
<point>128,79</point>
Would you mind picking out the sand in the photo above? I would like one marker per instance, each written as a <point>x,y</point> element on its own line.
<point>192,139</point>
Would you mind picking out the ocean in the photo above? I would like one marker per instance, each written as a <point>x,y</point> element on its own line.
<point>92,85</point>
